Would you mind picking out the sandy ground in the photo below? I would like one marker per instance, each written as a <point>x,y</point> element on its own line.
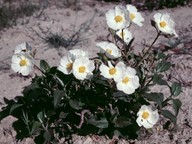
<point>57,19</point>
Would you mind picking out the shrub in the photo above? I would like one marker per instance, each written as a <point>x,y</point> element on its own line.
<point>105,95</point>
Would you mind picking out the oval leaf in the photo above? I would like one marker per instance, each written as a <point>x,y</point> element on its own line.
<point>157,79</point>
<point>47,136</point>
<point>13,107</point>
<point>122,121</point>
<point>35,127</point>
<point>176,89</point>
<point>156,97</point>
<point>75,104</point>
<point>176,105</point>
<point>153,23</point>
<point>44,66</point>
<point>103,123</point>
<point>40,116</point>
<point>57,96</point>
<point>160,55</point>
<point>169,115</point>
<point>163,66</point>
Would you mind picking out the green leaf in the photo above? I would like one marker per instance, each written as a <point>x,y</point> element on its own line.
<point>117,133</point>
<point>102,82</point>
<point>57,96</point>
<point>119,94</point>
<point>47,137</point>
<point>153,23</point>
<point>163,66</point>
<point>176,89</point>
<point>157,79</point>
<point>160,55</point>
<point>102,123</point>
<point>129,45</point>
<point>155,97</point>
<point>76,104</point>
<point>14,106</point>
<point>35,127</point>
<point>29,88</point>
<point>40,116</point>
<point>176,105</point>
<point>122,121</point>
<point>59,80</point>
<point>169,115</point>
<point>44,66</point>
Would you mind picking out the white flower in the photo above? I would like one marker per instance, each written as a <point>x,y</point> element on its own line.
<point>165,23</point>
<point>22,63</point>
<point>109,49</point>
<point>117,18</point>
<point>125,35</point>
<point>129,81</point>
<point>147,117</point>
<point>110,71</point>
<point>134,15</point>
<point>23,48</point>
<point>83,68</point>
<point>66,65</point>
<point>77,53</point>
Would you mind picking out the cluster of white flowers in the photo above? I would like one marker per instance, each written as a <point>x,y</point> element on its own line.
<point>78,63</point>
<point>23,60</point>
<point>120,18</point>
<point>124,76</point>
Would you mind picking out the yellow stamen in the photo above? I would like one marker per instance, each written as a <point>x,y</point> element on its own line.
<point>69,66</point>
<point>82,69</point>
<point>109,51</point>
<point>163,24</point>
<point>23,62</point>
<point>145,115</point>
<point>118,19</point>
<point>112,71</point>
<point>125,80</point>
<point>132,16</point>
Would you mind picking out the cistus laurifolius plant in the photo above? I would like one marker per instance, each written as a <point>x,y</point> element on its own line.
<point>108,94</point>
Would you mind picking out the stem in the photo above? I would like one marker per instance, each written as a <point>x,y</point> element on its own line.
<point>165,102</point>
<point>145,54</point>
<point>158,34</point>
<point>82,118</point>
<point>36,67</point>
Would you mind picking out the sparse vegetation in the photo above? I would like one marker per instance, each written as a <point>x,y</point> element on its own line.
<point>160,4</point>
<point>9,14</point>
<point>153,4</point>
<point>57,40</point>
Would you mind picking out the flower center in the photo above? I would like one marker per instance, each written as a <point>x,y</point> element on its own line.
<point>125,80</point>
<point>23,62</point>
<point>163,24</point>
<point>82,69</point>
<point>109,51</point>
<point>145,115</point>
<point>69,66</point>
<point>118,19</point>
<point>132,16</point>
<point>112,71</point>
